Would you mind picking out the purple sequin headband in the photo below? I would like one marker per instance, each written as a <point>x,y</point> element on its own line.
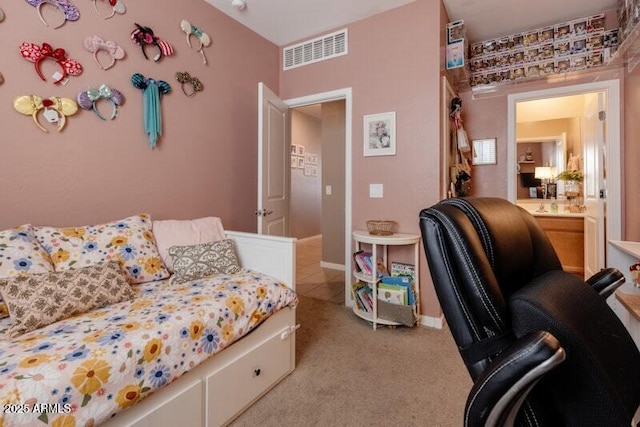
<point>88,99</point>
<point>69,10</point>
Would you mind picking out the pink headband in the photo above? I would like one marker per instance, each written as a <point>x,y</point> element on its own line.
<point>70,11</point>
<point>116,7</point>
<point>36,54</point>
<point>95,44</point>
<point>144,36</point>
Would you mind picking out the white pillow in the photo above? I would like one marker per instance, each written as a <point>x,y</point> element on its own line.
<point>173,232</point>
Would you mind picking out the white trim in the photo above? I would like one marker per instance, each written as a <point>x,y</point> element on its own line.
<point>261,87</point>
<point>334,95</point>
<point>432,322</point>
<point>613,157</point>
<point>332,266</point>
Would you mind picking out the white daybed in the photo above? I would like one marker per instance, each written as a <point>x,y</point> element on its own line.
<point>247,369</point>
<point>212,392</point>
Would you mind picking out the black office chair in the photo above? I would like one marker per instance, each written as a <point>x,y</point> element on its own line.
<point>542,346</point>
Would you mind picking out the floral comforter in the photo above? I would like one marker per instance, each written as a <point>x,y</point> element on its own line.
<point>83,370</point>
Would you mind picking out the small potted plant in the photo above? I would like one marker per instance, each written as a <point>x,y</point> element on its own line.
<point>572,188</point>
<point>571,176</point>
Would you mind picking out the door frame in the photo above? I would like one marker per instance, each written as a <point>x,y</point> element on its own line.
<point>337,95</point>
<point>613,157</point>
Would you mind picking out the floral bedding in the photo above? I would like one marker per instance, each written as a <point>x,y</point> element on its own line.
<point>83,370</point>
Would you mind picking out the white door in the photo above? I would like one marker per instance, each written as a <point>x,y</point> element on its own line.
<point>594,144</point>
<point>273,164</point>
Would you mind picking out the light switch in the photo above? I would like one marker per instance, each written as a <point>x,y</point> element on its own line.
<point>376,190</point>
<point>327,190</point>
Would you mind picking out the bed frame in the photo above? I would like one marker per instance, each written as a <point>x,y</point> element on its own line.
<point>222,387</point>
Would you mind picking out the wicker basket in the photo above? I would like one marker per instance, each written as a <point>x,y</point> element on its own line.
<point>380,227</point>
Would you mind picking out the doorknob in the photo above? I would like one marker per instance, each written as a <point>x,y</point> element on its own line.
<point>263,212</point>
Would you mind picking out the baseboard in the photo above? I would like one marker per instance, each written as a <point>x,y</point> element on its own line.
<point>332,266</point>
<point>432,322</point>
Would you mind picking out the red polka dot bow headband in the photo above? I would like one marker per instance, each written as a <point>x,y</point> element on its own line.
<point>36,54</point>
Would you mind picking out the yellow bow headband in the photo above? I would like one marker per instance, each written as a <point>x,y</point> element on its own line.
<point>56,109</point>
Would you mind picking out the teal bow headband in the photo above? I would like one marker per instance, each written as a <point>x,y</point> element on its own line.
<point>152,91</point>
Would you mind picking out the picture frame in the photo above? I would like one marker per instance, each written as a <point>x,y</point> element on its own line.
<point>379,132</point>
<point>484,151</point>
<point>300,163</point>
<point>307,158</point>
<point>294,149</point>
<point>307,170</point>
<point>300,150</point>
<point>314,159</point>
<point>294,161</point>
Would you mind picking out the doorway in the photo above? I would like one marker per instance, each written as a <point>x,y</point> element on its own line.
<point>603,196</point>
<point>336,197</point>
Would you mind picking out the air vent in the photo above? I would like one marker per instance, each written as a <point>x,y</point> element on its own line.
<point>325,47</point>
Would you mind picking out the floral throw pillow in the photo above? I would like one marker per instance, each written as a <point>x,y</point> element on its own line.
<point>129,241</point>
<point>38,300</point>
<point>203,260</point>
<point>20,253</point>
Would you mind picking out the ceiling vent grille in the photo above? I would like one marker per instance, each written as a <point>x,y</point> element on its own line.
<point>325,47</point>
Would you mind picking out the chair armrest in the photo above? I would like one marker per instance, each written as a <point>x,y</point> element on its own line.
<point>498,393</point>
<point>606,281</point>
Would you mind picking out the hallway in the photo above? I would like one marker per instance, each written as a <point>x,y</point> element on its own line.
<point>311,279</point>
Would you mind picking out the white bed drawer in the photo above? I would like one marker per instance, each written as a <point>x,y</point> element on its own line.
<point>237,385</point>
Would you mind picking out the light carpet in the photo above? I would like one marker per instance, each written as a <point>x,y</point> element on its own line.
<point>347,374</point>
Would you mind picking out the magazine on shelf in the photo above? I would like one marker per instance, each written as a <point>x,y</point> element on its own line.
<point>401,269</point>
<point>394,294</point>
<point>401,282</point>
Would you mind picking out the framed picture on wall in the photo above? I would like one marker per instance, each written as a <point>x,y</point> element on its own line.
<point>379,134</point>
<point>300,150</point>
<point>294,149</point>
<point>307,158</point>
<point>300,162</point>
<point>294,161</point>
<point>484,151</point>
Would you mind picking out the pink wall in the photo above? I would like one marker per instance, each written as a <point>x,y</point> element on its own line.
<point>393,65</point>
<point>631,155</point>
<point>205,163</point>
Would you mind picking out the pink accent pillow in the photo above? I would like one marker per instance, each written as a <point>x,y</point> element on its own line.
<point>173,232</point>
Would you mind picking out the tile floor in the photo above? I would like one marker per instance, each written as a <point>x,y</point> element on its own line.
<point>311,279</point>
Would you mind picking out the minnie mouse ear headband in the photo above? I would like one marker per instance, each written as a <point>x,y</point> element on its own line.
<point>185,78</point>
<point>95,44</point>
<point>144,36</point>
<point>88,99</point>
<point>116,7</point>
<point>152,91</point>
<point>36,54</point>
<point>204,38</point>
<point>56,109</point>
<point>68,9</point>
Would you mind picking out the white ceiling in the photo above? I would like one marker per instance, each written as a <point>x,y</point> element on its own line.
<point>285,21</point>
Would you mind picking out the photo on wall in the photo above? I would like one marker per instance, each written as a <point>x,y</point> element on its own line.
<point>380,134</point>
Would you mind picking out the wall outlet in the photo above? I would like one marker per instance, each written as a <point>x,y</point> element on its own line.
<point>376,190</point>
<point>327,190</point>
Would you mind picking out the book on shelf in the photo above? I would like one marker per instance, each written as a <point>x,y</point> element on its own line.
<point>363,261</point>
<point>393,294</point>
<point>362,296</point>
<point>404,282</point>
<point>364,264</point>
<point>402,269</point>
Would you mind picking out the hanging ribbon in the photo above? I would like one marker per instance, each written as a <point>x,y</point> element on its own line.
<point>152,91</point>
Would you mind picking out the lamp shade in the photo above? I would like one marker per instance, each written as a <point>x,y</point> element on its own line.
<point>544,172</point>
